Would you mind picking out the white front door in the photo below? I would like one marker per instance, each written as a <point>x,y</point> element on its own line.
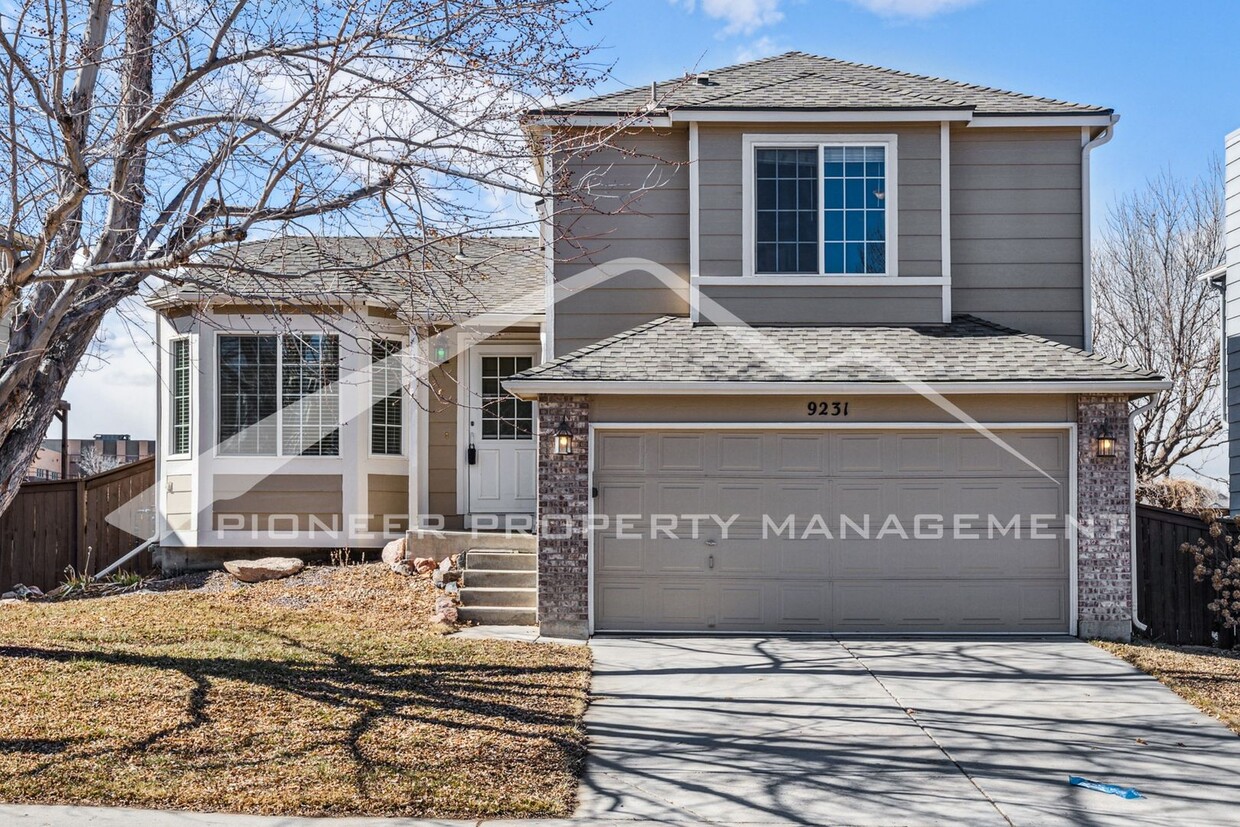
<point>503,473</point>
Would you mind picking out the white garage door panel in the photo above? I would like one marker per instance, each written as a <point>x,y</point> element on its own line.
<point>1007,578</point>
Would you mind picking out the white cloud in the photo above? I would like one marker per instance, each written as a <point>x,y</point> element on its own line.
<point>741,16</point>
<point>916,9</point>
<point>762,47</point>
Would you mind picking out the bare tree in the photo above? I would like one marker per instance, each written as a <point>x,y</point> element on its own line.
<point>93,461</point>
<point>137,138</point>
<point>1152,311</point>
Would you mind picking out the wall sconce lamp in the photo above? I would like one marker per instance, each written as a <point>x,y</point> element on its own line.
<point>1104,445</point>
<point>563,438</point>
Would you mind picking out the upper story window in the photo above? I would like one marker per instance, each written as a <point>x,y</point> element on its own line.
<point>296,374</point>
<point>820,205</point>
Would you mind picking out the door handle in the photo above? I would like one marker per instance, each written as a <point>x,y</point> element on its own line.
<point>710,561</point>
<point>472,455</point>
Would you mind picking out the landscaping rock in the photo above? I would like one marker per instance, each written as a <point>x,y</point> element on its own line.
<point>445,610</point>
<point>9,596</point>
<point>394,555</point>
<point>422,565</point>
<point>268,568</point>
<point>445,564</point>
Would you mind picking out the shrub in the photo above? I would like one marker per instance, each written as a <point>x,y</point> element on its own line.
<point>1218,560</point>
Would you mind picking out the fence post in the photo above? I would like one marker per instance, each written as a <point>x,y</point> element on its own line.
<point>80,556</point>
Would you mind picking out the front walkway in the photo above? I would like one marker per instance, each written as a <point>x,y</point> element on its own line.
<point>924,731</point>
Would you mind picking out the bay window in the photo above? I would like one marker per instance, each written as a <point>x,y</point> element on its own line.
<point>295,375</point>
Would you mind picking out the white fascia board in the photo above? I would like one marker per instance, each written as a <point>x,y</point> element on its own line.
<point>531,388</point>
<point>817,116</point>
<point>1040,120</point>
<point>763,280</point>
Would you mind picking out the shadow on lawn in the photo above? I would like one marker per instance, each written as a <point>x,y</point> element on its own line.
<point>485,698</point>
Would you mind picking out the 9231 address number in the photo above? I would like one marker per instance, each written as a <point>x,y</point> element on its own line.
<point>826,409</point>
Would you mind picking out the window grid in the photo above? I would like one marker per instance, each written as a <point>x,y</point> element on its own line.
<point>786,226</point>
<point>311,396</point>
<point>504,416</point>
<point>854,209</point>
<point>838,209</point>
<point>386,389</point>
<point>180,397</point>
<point>248,394</point>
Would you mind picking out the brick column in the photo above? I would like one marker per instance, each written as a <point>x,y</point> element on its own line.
<point>563,505</point>
<point>1104,515</point>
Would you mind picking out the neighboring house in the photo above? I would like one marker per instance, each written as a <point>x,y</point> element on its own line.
<point>1227,280</point>
<point>289,419</point>
<point>841,272</point>
<point>102,452</point>
<point>46,465</point>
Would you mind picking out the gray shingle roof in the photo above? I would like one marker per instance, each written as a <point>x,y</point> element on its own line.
<point>796,80</point>
<point>443,279</point>
<point>673,349</point>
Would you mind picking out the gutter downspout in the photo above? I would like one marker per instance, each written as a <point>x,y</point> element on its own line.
<point>1088,145</point>
<point>1132,517</point>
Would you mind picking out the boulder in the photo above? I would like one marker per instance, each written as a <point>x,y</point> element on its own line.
<point>394,555</point>
<point>422,565</point>
<point>268,568</point>
<point>445,610</point>
<point>9,596</point>
<point>446,563</point>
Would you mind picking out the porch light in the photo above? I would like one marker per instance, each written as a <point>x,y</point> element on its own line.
<point>563,438</point>
<point>1104,445</point>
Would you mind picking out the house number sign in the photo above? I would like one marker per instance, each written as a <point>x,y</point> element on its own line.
<point>826,408</point>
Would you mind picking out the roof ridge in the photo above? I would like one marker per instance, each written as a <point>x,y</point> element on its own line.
<point>594,347</point>
<point>1093,356</point>
<point>959,83</point>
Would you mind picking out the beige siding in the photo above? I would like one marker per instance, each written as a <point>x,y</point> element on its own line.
<point>387,497</point>
<point>180,501</point>
<point>793,408</point>
<point>1016,229</point>
<point>613,223</point>
<point>311,500</point>
<point>918,174</point>
<point>822,304</point>
<point>442,448</point>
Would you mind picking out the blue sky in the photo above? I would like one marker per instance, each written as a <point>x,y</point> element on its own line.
<point>1172,71</point>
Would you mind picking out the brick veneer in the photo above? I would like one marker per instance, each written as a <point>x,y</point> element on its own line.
<point>1103,550</point>
<point>563,504</point>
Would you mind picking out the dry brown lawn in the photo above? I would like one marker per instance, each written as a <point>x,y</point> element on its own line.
<point>1209,679</point>
<point>326,694</point>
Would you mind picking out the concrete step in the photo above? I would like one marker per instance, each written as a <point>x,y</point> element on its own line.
<point>523,598</point>
<point>501,560</point>
<point>498,615</point>
<point>501,579</point>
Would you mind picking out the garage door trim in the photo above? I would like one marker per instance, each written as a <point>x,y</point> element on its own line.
<point>1073,447</point>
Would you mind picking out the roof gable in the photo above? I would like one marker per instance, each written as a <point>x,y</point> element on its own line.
<point>800,81</point>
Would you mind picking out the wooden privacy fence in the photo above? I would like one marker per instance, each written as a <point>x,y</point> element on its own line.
<point>53,525</point>
<point>1169,599</point>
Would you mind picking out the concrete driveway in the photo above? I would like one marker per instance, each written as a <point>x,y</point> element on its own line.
<point>918,731</point>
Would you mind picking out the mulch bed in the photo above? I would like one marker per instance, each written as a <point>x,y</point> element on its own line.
<point>1209,679</point>
<point>332,692</point>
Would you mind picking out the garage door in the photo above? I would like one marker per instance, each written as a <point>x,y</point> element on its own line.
<point>831,531</point>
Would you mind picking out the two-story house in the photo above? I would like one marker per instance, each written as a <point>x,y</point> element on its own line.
<point>829,368</point>
<point>807,350</point>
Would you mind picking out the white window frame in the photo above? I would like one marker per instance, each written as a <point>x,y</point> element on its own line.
<point>172,398</point>
<point>750,143</point>
<point>403,345</point>
<point>215,397</point>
